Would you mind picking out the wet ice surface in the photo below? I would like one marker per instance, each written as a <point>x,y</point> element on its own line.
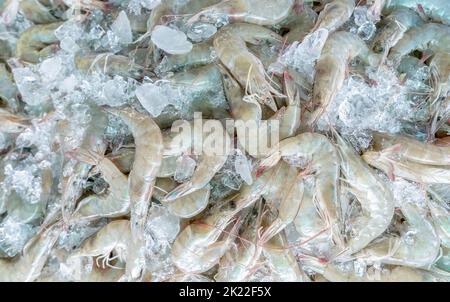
<point>171,40</point>
<point>185,168</point>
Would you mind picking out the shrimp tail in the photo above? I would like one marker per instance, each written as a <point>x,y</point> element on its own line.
<point>85,156</point>
<point>180,191</point>
<point>268,162</point>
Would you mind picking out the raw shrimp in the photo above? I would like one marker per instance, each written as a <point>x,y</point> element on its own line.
<point>429,36</point>
<point>299,24</point>
<point>124,158</point>
<point>37,42</point>
<point>201,54</point>
<point>210,161</point>
<point>12,123</point>
<point>373,194</point>
<point>240,261</point>
<point>437,10</point>
<point>8,89</point>
<point>393,28</point>
<point>116,203</point>
<point>440,216</point>
<point>334,15</point>
<point>287,210</point>
<point>411,149</point>
<point>110,64</point>
<point>185,207</point>
<point>392,166</point>
<point>242,108</point>
<point>440,71</point>
<point>246,109</point>
<point>282,261</point>
<point>37,12</point>
<point>260,12</point>
<point>113,237</point>
<point>147,161</point>
<point>308,222</point>
<point>290,121</point>
<point>245,67</point>
<point>198,248</point>
<point>334,273</point>
<point>419,251</point>
<point>339,49</point>
<point>73,184</point>
<point>321,158</point>
<point>28,267</point>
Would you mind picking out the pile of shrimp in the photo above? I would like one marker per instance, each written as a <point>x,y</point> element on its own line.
<point>96,186</point>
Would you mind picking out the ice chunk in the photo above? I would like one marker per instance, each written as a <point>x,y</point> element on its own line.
<point>68,34</point>
<point>302,57</point>
<point>122,29</point>
<point>378,103</point>
<point>153,98</point>
<point>201,32</point>
<point>25,181</point>
<point>366,31</point>
<point>171,40</point>
<point>69,45</point>
<point>408,192</point>
<point>162,224</point>
<point>243,167</point>
<point>185,168</point>
<point>115,92</point>
<point>50,69</point>
<point>72,237</point>
<point>29,84</point>
<point>231,180</point>
<point>14,236</point>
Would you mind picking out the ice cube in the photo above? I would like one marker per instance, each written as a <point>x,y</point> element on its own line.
<point>201,32</point>
<point>185,168</point>
<point>171,40</point>
<point>366,31</point>
<point>13,236</point>
<point>162,223</point>
<point>153,98</point>
<point>122,29</point>
<point>29,84</point>
<point>50,69</point>
<point>231,180</point>
<point>360,15</point>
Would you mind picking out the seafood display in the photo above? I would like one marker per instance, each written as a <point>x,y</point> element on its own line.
<point>224,140</point>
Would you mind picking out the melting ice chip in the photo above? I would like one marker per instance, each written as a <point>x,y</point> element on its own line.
<point>122,29</point>
<point>185,168</point>
<point>302,56</point>
<point>153,98</point>
<point>29,84</point>
<point>201,31</point>
<point>171,40</point>
<point>50,69</point>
